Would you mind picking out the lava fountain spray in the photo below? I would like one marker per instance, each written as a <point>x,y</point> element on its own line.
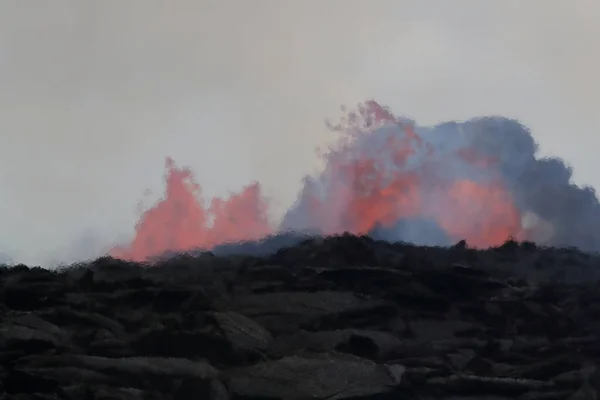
<point>474,180</point>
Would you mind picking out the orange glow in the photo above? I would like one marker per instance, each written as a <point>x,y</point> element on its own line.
<point>363,190</point>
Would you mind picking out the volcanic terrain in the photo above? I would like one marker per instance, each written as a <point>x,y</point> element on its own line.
<point>211,300</point>
<point>342,317</point>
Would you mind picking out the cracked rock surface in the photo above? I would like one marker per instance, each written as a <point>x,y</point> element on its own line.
<point>337,318</point>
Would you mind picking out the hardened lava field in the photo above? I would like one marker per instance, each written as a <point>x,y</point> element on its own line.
<point>343,317</point>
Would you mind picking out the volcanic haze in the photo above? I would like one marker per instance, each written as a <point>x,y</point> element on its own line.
<point>479,181</point>
<point>95,94</point>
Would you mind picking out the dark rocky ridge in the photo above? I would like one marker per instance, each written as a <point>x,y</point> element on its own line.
<point>337,318</point>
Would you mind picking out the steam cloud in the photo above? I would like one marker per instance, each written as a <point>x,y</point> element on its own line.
<point>553,209</point>
<point>479,180</point>
<point>95,93</point>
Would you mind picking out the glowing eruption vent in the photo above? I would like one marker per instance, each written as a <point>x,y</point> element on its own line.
<point>382,170</point>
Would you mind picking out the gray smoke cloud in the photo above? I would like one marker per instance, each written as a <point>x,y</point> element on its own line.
<point>96,93</point>
<point>553,209</point>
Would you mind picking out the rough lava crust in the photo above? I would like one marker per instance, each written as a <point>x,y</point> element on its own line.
<point>343,317</point>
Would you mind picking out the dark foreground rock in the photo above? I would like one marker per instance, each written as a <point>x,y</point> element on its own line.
<point>338,318</point>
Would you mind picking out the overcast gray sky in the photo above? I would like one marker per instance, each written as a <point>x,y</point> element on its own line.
<point>94,94</point>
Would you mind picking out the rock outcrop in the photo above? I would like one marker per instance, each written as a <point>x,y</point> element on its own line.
<point>337,318</point>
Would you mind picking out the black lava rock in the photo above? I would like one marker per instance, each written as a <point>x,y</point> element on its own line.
<point>343,317</point>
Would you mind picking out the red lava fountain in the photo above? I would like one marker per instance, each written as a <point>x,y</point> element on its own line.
<point>179,222</point>
<point>368,181</point>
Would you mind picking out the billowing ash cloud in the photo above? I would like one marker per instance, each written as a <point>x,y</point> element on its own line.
<point>495,150</point>
<point>477,180</point>
<point>542,188</point>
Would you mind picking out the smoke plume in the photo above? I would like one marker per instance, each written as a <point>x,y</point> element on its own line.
<point>479,180</point>
<point>96,93</point>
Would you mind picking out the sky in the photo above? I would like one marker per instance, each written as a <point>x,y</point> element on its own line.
<point>95,94</point>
